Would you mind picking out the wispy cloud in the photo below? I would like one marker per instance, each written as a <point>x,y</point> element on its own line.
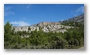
<point>7,11</point>
<point>28,6</point>
<point>78,11</point>
<point>20,23</point>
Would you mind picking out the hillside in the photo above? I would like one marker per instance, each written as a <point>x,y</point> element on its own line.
<point>44,26</point>
<point>77,19</point>
<point>68,34</point>
<point>53,26</point>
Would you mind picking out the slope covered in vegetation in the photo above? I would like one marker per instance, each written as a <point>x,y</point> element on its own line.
<point>72,39</point>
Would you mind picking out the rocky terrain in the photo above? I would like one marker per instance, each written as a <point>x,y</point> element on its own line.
<point>50,26</point>
<point>45,26</point>
<point>68,34</point>
<point>79,19</point>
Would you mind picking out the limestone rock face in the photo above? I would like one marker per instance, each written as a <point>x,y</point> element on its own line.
<point>49,26</point>
<point>44,26</point>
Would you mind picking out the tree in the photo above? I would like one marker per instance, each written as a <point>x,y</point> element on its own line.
<point>7,31</point>
<point>29,28</point>
<point>7,34</point>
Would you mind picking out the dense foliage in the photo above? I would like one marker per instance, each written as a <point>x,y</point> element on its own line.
<point>73,38</point>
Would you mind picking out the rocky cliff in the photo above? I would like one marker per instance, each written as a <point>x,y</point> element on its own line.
<point>50,26</point>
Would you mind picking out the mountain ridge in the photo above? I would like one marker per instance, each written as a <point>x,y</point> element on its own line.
<point>51,26</point>
<point>79,18</point>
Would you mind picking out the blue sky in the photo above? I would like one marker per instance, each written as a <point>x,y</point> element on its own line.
<point>29,14</point>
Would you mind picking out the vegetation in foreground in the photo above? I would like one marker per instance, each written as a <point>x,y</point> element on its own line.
<point>72,39</point>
